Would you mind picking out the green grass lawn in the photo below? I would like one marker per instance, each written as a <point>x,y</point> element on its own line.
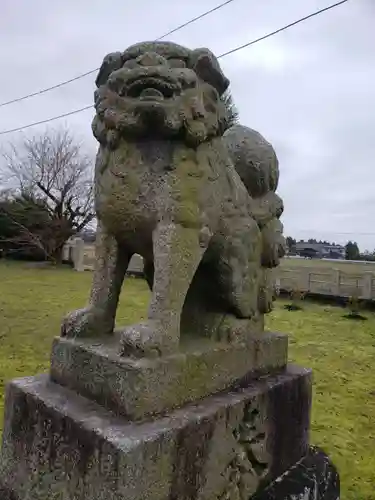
<point>341,353</point>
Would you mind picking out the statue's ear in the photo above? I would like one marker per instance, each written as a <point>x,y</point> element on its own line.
<point>208,69</point>
<point>111,62</point>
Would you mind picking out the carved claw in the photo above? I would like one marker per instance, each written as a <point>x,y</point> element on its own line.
<point>146,339</point>
<point>86,322</point>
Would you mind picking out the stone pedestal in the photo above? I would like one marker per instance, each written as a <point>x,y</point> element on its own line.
<point>314,477</point>
<point>94,428</point>
<point>139,388</point>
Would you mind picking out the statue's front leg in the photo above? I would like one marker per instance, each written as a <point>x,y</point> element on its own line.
<point>177,254</point>
<point>98,317</point>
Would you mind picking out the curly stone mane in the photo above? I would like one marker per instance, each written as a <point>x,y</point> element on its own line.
<point>160,90</point>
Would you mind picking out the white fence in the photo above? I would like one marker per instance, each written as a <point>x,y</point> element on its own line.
<point>327,282</point>
<point>321,281</point>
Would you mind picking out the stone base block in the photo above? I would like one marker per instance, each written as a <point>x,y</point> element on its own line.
<point>312,478</point>
<point>58,445</point>
<point>137,388</point>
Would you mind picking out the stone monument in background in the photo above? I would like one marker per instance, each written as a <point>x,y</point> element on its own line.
<point>197,401</point>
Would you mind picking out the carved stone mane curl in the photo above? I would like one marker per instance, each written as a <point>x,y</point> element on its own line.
<point>159,90</point>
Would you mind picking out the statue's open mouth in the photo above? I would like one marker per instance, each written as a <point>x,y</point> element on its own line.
<point>152,88</point>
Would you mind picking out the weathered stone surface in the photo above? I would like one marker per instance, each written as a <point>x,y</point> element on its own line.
<point>257,165</point>
<point>57,445</point>
<point>312,478</point>
<point>139,387</point>
<point>166,188</point>
<point>6,494</point>
<point>255,159</point>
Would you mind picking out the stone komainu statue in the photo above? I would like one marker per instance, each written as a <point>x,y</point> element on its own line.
<point>195,199</point>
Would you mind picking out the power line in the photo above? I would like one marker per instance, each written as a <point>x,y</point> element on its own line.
<point>61,84</point>
<point>39,92</point>
<point>75,111</point>
<point>283,28</point>
<point>207,13</point>
<point>240,47</point>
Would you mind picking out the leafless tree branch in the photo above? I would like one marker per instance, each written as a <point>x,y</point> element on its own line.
<point>54,169</point>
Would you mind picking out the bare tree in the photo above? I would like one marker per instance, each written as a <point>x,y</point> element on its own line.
<point>52,170</point>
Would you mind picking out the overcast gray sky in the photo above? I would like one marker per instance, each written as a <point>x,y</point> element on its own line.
<point>309,90</point>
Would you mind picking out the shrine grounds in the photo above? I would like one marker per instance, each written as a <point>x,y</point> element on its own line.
<point>341,353</point>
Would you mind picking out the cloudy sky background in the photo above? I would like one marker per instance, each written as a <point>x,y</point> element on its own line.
<point>309,90</point>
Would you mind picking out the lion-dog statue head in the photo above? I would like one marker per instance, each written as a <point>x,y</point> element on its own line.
<point>160,90</point>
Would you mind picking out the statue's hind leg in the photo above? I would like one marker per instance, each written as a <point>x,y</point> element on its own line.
<point>222,302</point>
<point>239,266</point>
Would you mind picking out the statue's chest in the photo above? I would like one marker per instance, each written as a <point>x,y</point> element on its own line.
<point>130,194</point>
<point>142,185</point>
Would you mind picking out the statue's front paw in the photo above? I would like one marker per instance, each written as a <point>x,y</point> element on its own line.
<point>147,339</point>
<point>87,322</point>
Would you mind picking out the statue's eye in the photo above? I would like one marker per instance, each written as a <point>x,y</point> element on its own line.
<point>177,63</point>
<point>130,63</point>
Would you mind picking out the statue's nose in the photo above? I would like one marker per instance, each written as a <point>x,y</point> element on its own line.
<point>151,59</point>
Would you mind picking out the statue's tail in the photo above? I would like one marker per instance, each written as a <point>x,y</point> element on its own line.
<point>254,159</point>
<point>257,165</point>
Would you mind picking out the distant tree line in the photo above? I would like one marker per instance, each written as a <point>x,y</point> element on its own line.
<point>45,195</point>
<point>352,251</point>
